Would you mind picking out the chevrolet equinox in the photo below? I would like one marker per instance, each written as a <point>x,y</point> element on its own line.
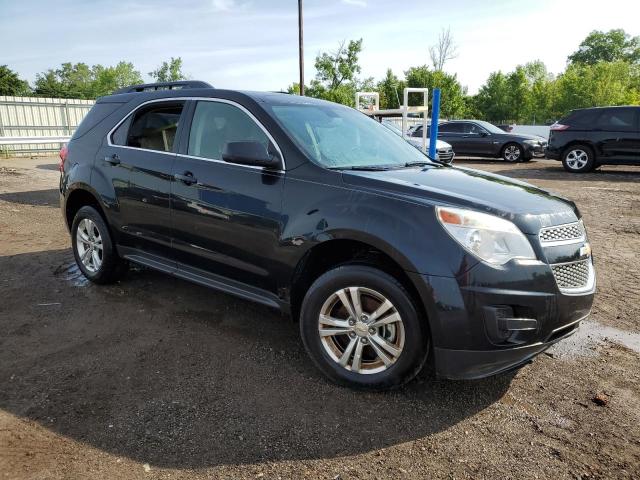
<point>385,257</point>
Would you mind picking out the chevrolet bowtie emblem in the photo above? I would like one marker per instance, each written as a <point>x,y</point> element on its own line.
<point>585,250</point>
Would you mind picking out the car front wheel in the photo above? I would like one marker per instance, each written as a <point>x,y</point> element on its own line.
<point>578,159</point>
<point>512,152</point>
<point>361,328</point>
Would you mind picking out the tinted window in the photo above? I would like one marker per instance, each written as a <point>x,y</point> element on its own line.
<point>215,124</point>
<point>451,128</point>
<point>616,119</point>
<point>119,136</point>
<point>154,127</point>
<point>417,132</point>
<point>580,118</point>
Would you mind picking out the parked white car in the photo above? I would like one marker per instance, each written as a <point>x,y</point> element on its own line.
<point>444,151</point>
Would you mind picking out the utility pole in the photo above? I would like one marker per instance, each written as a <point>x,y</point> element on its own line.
<point>300,47</point>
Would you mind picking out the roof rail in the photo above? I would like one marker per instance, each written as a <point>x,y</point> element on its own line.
<point>150,87</point>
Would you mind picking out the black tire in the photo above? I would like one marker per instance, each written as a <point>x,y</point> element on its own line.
<point>578,159</point>
<point>110,267</point>
<point>512,153</point>
<point>413,353</point>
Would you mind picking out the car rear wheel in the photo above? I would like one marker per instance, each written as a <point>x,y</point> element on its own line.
<point>512,152</point>
<point>93,248</point>
<point>362,330</point>
<point>578,159</point>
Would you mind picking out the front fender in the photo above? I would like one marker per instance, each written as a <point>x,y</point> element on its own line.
<point>406,231</point>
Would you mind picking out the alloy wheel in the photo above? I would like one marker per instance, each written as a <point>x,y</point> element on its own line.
<point>512,153</point>
<point>577,159</point>
<point>89,245</point>
<point>361,330</point>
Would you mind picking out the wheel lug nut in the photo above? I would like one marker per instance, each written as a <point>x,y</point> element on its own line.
<point>352,335</point>
<point>352,322</point>
<point>372,331</point>
<point>364,340</point>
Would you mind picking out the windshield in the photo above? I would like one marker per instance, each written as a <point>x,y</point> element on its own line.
<point>490,127</point>
<point>337,137</point>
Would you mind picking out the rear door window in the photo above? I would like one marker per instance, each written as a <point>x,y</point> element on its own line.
<point>617,119</point>
<point>152,127</point>
<point>451,128</point>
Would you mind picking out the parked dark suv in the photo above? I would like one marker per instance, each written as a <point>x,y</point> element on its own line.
<point>310,207</point>
<point>590,137</point>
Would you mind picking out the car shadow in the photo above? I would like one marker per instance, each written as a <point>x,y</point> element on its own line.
<point>39,198</point>
<point>49,166</point>
<point>178,376</point>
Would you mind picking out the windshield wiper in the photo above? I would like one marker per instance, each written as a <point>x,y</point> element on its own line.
<point>419,163</point>
<point>373,168</point>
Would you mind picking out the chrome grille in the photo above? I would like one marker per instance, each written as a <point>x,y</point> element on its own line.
<point>445,155</point>
<point>569,233</point>
<point>572,275</point>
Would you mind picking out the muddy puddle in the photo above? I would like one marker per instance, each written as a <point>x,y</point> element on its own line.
<point>585,341</point>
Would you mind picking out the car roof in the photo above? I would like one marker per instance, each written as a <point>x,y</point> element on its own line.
<point>126,95</point>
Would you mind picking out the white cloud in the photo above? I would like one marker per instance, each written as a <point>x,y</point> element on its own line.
<point>357,3</point>
<point>223,5</point>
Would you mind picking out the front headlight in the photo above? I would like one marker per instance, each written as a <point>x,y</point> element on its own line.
<point>490,238</point>
<point>533,143</point>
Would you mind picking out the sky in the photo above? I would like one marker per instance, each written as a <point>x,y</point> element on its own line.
<point>253,44</point>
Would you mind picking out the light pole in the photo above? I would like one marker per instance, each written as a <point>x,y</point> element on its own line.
<point>300,48</point>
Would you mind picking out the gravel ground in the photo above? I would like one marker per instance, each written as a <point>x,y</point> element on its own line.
<point>158,378</point>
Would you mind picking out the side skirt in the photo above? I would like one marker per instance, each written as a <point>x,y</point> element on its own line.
<point>207,279</point>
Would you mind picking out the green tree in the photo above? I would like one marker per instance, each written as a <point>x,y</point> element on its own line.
<point>492,100</point>
<point>604,83</point>
<point>608,46</point>
<point>12,84</point>
<point>390,89</point>
<point>69,81</point>
<point>336,78</point>
<point>452,94</point>
<point>109,79</point>
<point>170,71</point>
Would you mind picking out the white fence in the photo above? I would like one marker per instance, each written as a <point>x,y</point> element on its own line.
<point>39,117</point>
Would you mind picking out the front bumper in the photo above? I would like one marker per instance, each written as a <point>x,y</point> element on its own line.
<point>470,340</point>
<point>535,150</point>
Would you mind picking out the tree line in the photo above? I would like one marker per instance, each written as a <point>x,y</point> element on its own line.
<point>604,70</point>
<point>79,80</point>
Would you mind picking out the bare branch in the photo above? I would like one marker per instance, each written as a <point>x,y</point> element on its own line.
<point>443,51</point>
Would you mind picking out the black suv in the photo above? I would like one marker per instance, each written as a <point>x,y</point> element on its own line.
<point>483,139</point>
<point>385,257</point>
<point>589,137</point>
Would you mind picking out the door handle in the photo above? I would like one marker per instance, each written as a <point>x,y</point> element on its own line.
<point>112,159</point>
<point>187,178</point>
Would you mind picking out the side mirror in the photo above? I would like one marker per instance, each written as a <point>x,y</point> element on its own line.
<point>249,153</point>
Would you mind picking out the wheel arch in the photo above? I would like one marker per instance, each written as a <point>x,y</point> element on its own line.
<point>586,143</point>
<point>342,250</point>
<point>79,197</point>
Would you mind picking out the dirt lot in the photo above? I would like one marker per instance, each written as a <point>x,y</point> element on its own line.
<point>158,378</point>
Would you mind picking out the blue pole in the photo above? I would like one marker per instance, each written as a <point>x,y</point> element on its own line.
<point>435,115</point>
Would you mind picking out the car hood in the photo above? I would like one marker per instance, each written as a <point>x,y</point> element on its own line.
<point>529,207</point>
<point>418,142</point>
